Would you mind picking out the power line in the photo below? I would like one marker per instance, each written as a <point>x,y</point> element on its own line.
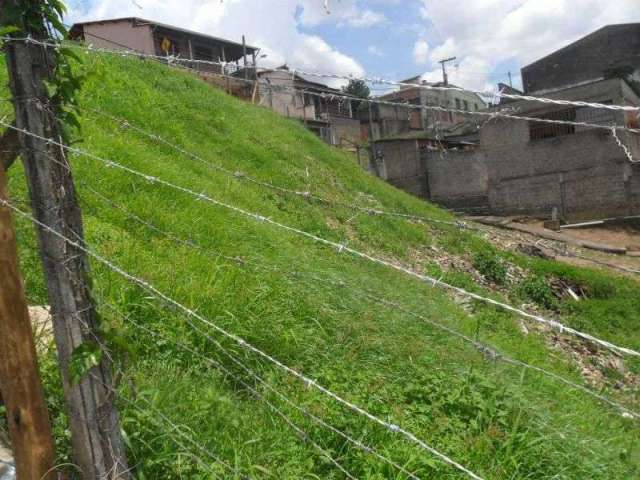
<point>373,80</point>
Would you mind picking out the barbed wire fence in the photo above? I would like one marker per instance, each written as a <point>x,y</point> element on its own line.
<point>199,322</point>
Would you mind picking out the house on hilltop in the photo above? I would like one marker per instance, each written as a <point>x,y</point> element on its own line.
<point>528,167</point>
<point>603,54</point>
<point>330,117</point>
<point>155,38</point>
<point>391,120</point>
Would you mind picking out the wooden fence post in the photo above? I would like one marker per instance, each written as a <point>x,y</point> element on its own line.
<point>22,392</point>
<point>98,447</point>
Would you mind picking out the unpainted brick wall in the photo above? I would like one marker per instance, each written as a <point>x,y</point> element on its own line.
<point>584,175</point>
<point>400,163</point>
<point>458,179</point>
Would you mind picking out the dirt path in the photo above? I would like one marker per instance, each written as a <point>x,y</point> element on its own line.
<point>623,236</point>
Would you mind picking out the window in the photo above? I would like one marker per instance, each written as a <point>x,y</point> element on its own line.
<point>201,52</point>
<point>540,131</point>
<point>466,105</point>
<point>476,106</point>
<point>458,106</point>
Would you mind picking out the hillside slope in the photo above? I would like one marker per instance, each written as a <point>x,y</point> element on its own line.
<point>314,308</point>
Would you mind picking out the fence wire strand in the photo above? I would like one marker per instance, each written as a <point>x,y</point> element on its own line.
<point>334,76</point>
<point>339,247</point>
<point>488,350</point>
<point>397,429</point>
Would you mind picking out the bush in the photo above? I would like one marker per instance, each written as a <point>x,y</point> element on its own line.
<point>538,290</point>
<point>491,267</point>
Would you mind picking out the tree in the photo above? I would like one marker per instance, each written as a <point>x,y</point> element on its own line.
<point>357,88</point>
<point>624,72</point>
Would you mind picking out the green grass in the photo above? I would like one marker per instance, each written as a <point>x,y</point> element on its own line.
<point>498,420</point>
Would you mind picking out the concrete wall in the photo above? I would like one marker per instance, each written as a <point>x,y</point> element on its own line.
<point>581,172</point>
<point>587,59</point>
<point>277,92</point>
<point>458,179</point>
<point>117,35</point>
<point>344,131</point>
<point>401,164</point>
<point>585,175</point>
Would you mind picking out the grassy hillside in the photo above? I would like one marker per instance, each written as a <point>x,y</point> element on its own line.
<point>498,420</point>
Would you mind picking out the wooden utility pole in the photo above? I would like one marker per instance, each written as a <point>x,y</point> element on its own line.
<point>445,77</point>
<point>98,448</point>
<point>22,392</point>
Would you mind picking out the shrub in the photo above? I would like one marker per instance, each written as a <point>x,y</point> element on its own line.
<point>538,290</point>
<point>491,267</point>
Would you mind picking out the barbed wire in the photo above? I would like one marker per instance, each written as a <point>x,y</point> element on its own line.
<point>175,61</point>
<point>338,246</point>
<point>334,76</point>
<point>624,148</point>
<point>396,429</point>
<point>243,176</point>
<point>489,351</point>
<point>463,225</point>
<point>258,378</point>
<point>174,427</point>
<point>488,115</point>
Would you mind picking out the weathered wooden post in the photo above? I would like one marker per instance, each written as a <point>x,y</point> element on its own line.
<point>98,448</point>
<point>22,392</point>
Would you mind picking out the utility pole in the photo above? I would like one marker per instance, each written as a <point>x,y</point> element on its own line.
<point>510,80</point>
<point>445,77</point>
<point>244,56</point>
<point>98,447</point>
<point>20,383</point>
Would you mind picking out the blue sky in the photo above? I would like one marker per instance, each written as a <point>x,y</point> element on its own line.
<point>394,39</point>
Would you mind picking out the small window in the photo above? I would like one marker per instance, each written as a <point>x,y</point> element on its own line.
<point>540,131</point>
<point>476,106</point>
<point>466,105</point>
<point>458,106</point>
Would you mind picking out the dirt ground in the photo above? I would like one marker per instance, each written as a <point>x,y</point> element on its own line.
<point>616,235</point>
<point>625,235</point>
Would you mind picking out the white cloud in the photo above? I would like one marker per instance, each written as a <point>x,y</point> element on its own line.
<point>344,13</point>
<point>486,33</point>
<point>271,25</point>
<point>375,51</point>
<point>365,19</point>
<point>421,52</point>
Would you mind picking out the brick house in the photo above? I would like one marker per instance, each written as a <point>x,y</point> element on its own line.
<point>533,168</point>
<point>293,96</point>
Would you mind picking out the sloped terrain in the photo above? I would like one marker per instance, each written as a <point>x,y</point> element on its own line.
<point>359,329</point>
